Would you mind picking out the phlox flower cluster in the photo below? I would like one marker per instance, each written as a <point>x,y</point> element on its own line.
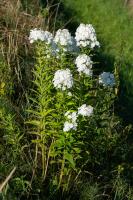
<point>38,34</point>
<point>63,79</point>
<point>64,39</point>
<point>69,126</point>
<point>47,37</point>
<point>85,110</point>
<point>84,64</point>
<point>86,36</point>
<point>71,123</point>
<point>69,94</point>
<point>107,79</point>
<point>72,116</point>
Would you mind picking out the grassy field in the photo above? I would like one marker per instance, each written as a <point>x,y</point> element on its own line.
<point>114,26</point>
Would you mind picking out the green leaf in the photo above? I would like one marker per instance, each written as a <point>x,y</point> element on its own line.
<point>33,122</point>
<point>70,103</point>
<point>69,158</point>
<point>38,141</point>
<point>33,112</point>
<point>45,113</point>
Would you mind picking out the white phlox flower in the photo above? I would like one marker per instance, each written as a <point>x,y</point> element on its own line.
<point>84,64</point>
<point>71,116</point>
<point>86,36</point>
<point>69,94</point>
<point>71,124</point>
<point>47,37</point>
<point>64,38</point>
<point>107,79</point>
<point>63,79</point>
<point>38,34</point>
<point>85,110</point>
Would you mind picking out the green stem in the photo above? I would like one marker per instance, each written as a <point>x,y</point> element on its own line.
<point>47,162</point>
<point>61,173</point>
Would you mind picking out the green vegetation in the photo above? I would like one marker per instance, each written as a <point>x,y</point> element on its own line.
<point>38,159</point>
<point>114,25</point>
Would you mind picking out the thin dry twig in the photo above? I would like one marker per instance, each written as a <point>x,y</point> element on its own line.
<point>2,185</point>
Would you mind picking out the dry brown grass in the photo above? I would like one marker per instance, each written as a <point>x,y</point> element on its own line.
<point>15,24</point>
<point>16,21</point>
<point>129,4</point>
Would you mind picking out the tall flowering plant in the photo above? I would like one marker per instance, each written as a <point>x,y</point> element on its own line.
<point>72,108</point>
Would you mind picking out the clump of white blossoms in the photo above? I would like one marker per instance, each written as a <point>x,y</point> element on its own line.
<point>85,110</point>
<point>71,124</point>
<point>38,34</point>
<point>72,116</point>
<point>63,79</point>
<point>84,64</point>
<point>47,37</point>
<point>69,94</point>
<point>64,38</point>
<point>86,36</point>
<point>107,79</point>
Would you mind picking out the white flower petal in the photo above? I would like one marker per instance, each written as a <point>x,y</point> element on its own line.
<point>64,38</point>
<point>84,64</point>
<point>63,79</point>
<point>85,110</point>
<point>86,36</point>
<point>107,79</point>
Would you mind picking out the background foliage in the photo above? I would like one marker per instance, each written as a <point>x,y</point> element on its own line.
<point>113,21</point>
